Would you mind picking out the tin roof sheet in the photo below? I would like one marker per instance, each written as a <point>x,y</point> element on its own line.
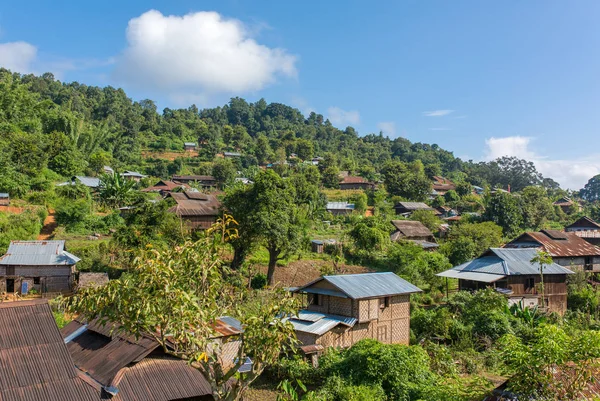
<point>367,285</point>
<point>318,323</point>
<point>340,206</point>
<point>38,253</point>
<point>413,205</point>
<point>3,195</point>
<point>563,245</point>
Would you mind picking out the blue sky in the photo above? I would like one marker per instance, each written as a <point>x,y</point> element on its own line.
<point>482,79</point>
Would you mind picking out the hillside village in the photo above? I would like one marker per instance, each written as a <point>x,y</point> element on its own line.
<point>250,252</point>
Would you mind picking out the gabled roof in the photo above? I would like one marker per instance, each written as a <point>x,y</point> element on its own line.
<point>38,253</point>
<point>556,243</point>
<point>199,178</point>
<point>497,263</point>
<point>409,229</point>
<point>133,174</point>
<point>363,285</point>
<point>164,185</point>
<point>564,201</point>
<point>584,222</point>
<point>90,182</point>
<point>34,361</point>
<point>195,204</point>
<point>413,206</point>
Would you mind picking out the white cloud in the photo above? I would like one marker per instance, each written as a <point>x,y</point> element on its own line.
<point>572,174</point>
<point>198,54</point>
<point>342,117</point>
<point>17,56</point>
<point>437,113</point>
<point>388,127</point>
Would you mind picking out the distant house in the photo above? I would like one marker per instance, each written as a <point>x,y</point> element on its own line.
<point>511,273</point>
<point>318,246</point>
<point>133,175</point>
<point>478,190</point>
<point>351,182</point>
<point>91,280</point>
<point>231,154</point>
<point>131,368</point>
<point>91,182</point>
<point>189,146</point>
<point>315,161</point>
<point>35,362</point>
<point>409,207</point>
<point>442,185</point>
<point>198,210</point>
<point>445,211</point>
<point>339,208</point>
<point>567,205</point>
<point>244,180</point>
<point>108,170</point>
<point>164,187</point>
<point>205,181</point>
<point>4,199</point>
<point>42,265</point>
<point>587,229</point>
<point>566,249</point>
<point>344,309</point>
<point>413,231</point>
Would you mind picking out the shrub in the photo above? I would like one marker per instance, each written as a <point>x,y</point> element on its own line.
<point>259,281</point>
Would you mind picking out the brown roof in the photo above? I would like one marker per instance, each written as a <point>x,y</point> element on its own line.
<point>442,184</point>
<point>164,185</point>
<point>160,378</point>
<point>102,355</point>
<point>410,229</point>
<point>584,222</point>
<point>34,361</point>
<point>354,180</point>
<point>195,204</point>
<point>564,202</point>
<point>559,244</point>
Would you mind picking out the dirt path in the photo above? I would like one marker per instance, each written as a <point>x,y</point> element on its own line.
<point>49,226</point>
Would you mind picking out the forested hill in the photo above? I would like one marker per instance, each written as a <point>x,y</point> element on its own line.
<point>51,130</point>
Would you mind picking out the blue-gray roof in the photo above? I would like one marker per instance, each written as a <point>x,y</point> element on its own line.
<point>90,182</point>
<point>365,285</point>
<point>318,323</point>
<point>3,195</point>
<point>236,154</point>
<point>38,253</point>
<point>497,263</point>
<point>340,206</point>
<point>189,143</point>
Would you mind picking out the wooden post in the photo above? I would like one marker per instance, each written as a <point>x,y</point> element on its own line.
<point>447,290</point>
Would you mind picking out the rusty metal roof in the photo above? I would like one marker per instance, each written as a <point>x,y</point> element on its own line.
<point>410,229</point>
<point>164,185</point>
<point>195,204</point>
<point>354,180</point>
<point>228,326</point>
<point>583,222</point>
<point>556,243</point>
<point>413,206</point>
<point>198,178</point>
<point>34,361</point>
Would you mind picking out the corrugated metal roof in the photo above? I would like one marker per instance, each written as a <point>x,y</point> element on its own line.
<point>413,205</point>
<point>318,323</point>
<point>340,206</point>
<point>133,174</point>
<point>92,182</point>
<point>38,253</point>
<point>502,262</point>
<point>409,228</point>
<point>195,204</point>
<point>3,195</point>
<point>189,143</point>
<point>35,363</point>
<point>566,245</point>
<point>367,285</point>
<point>235,154</point>
<point>425,244</point>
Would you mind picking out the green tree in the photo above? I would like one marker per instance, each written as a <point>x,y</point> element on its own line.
<point>466,241</point>
<point>543,259</point>
<point>464,188</point>
<point>224,171</point>
<point>591,191</point>
<point>406,180</point>
<point>162,297</point>
<point>536,206</point>
<point>331,177</point>
<point>503,209</point>
<point>428,218</point>
<point>451,196</point>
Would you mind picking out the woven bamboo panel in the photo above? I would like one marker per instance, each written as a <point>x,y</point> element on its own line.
<point>401,331</point>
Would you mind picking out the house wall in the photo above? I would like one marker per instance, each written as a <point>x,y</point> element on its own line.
<point>357,185</point>
<point>52,278</point>
<point>390,325</point>
<point>199,222</point>
<point>578,263</point>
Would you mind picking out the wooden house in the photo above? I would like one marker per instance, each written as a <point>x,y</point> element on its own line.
<point>4,199</point>
<point>199,211</point>
<point>351,182</point>
<point>340,208</point>
<point>566,248</point>
<point>407,208</point>
<point>204,181</point>
<point>126,368</point>
<point>510,272</point>
<point>189,146</point>
<point>567,205</point>
<point>587,229</point>
<point>41,265</point>
<point>133,175</point>
<point>442,185</point>
<point>415,232</point>
<point>344,309</point>
<point>34,363</point>
<point>93,183</point>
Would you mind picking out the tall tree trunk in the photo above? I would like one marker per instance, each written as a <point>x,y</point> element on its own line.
<point>273,257</point>
<point>239,256</point>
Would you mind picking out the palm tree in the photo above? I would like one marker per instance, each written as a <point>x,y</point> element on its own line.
<point>115,190</point>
